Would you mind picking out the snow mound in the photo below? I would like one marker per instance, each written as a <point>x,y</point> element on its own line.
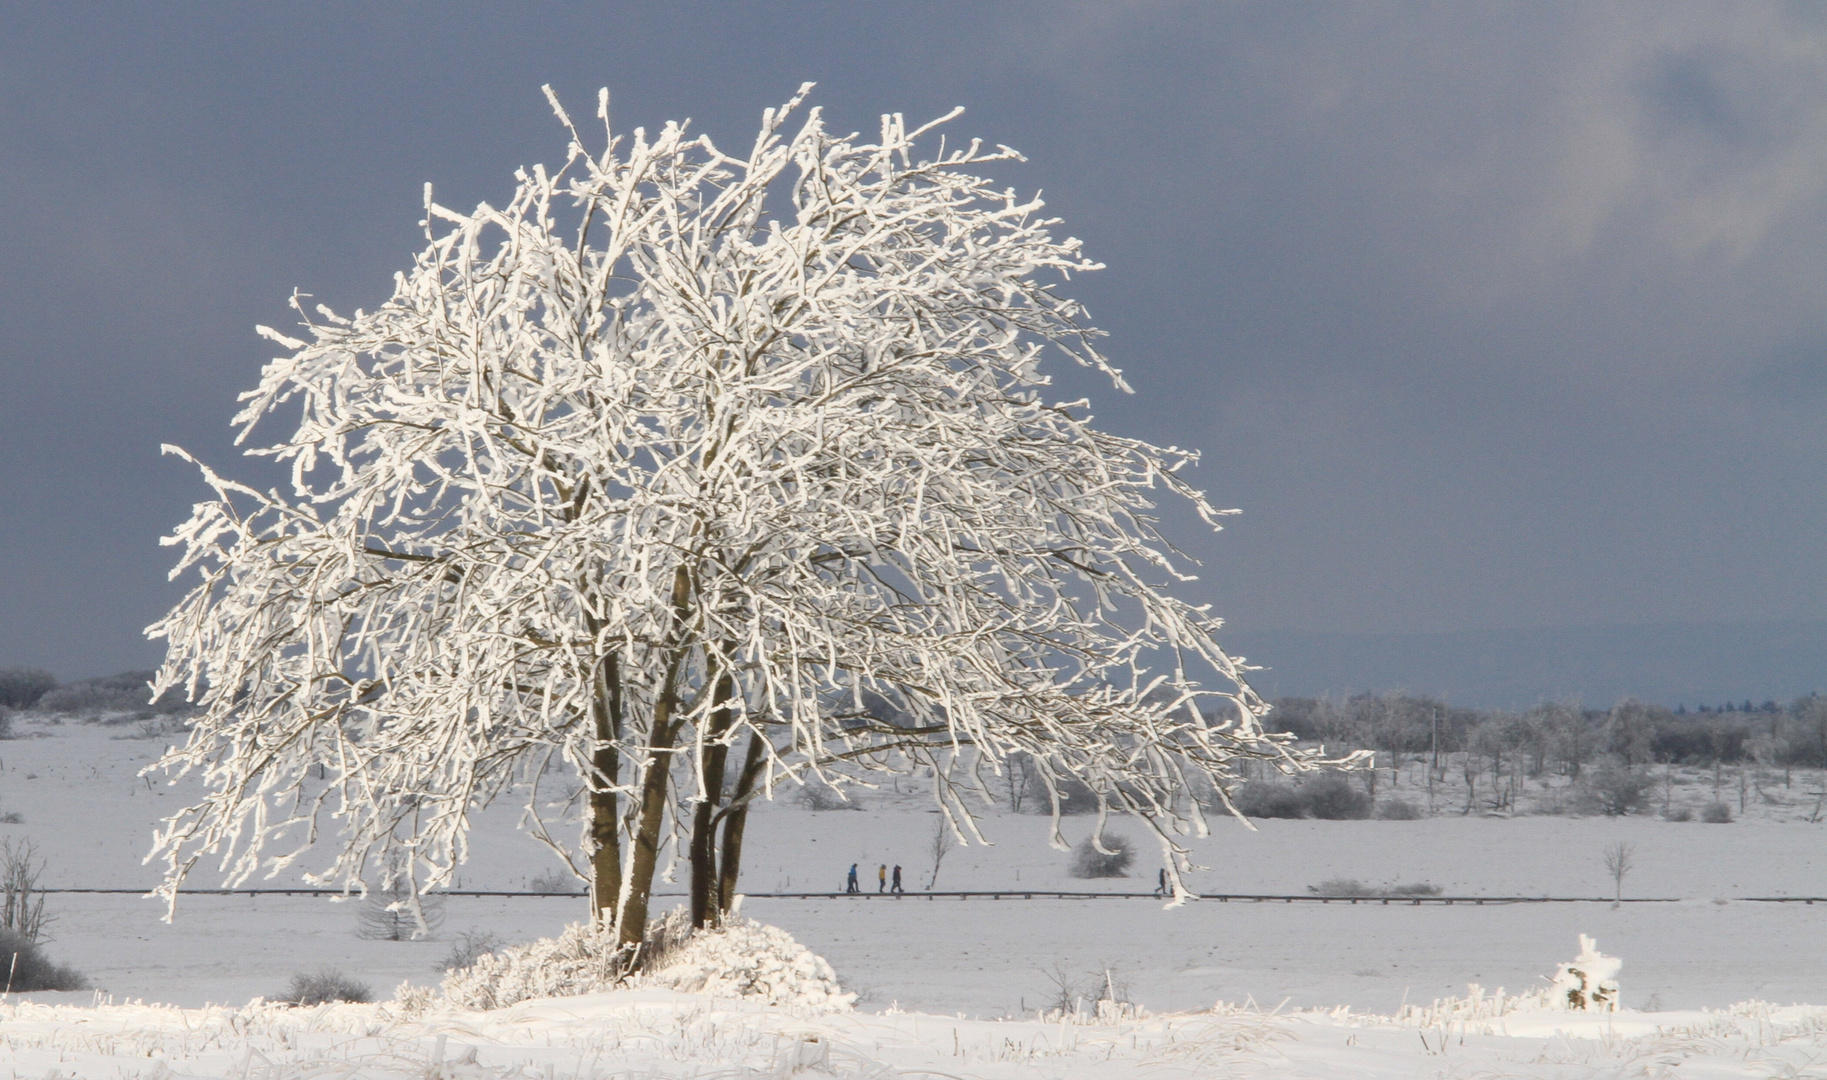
<point>745,959</point>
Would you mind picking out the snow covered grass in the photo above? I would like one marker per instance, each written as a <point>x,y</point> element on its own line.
<point>1401,970</point>
<point>657,1035</point>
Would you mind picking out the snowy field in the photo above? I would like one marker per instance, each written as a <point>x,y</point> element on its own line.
<point>953,986</point>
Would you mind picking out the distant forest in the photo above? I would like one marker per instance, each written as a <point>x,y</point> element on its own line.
<point>1565,738</point>
<point>1562,738</point>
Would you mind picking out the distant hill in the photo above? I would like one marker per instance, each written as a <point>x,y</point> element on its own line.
<point>1666,663</point>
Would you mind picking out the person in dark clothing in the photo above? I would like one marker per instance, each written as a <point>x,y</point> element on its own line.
<point>850,882</point>
<point>881,878</point>
<point>1161,888</point>
<point>896,887</point>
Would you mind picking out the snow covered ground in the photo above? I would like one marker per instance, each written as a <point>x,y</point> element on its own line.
<point>952,986</point>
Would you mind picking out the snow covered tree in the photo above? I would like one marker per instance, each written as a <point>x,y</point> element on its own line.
<point>693,473</point>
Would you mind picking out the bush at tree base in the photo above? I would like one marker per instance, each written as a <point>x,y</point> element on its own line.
<point>24,965</point>
<point>1089,862</point>
<point>743,959</point>
<point>1716,813</point>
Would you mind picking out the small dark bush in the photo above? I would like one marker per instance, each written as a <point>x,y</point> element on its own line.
<point>20,688</point>
<point>326,985</point>
<point>1089,862</point>
<point>1617,790</point>
<point>1269,799</point>
<point>1399,810</point>
<point>552,882</point>
<point>1680,813</point>
<point>1354,887</point>
<point>1075,797</point>
<point>821,797</point>
<point>1341,886</point>
<point>469,946</point>
<point>24,964</point>
<point>12,817</point>
<point>1717,813</point>
<point>1334,798</point>
<point>379,919</point>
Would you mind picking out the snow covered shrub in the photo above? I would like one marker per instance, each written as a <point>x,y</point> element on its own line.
<point>326,985</point>
<point>1588,982</point>
<point>1716,813</point>
<point>1269,799</point>
<point>1114,861</point>
<point>469,945</point>
<point>24,967</point>
<point>743,959</point>
<point>1399,810</point>
<point>1679,813</point>
<point>1334,798</point>
<point>1617,790</point>
<point>6,722</point>
<point>746,959</point>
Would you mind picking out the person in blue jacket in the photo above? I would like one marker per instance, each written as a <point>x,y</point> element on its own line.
<point>850,882</point>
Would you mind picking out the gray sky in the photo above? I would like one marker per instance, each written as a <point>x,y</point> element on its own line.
<point>1485,315</point>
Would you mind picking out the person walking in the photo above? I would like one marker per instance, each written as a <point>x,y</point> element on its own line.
<point>850,882</point>
<point>1161,886</point>
<point>896,887</point>
<point>881,878</point>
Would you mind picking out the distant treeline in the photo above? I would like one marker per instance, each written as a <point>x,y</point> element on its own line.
<point>1564,737</point>
<point>34,688</point>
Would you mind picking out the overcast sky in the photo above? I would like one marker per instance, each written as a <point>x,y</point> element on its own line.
<point>1485,315</point>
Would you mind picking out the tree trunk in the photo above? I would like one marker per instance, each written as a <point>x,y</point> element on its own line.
<point>605,811</point>
<point>644,853</point>
<point>735,822</point>
<point>711,765</point>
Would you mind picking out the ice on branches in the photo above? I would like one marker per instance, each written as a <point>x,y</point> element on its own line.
<point>696,473</point>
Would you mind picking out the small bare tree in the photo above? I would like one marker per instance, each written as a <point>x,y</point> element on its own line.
<point>1620,858</point>
<point>942,842</point>
<point>21,900</point>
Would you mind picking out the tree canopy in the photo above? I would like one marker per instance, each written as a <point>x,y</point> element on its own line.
<point>695,473</point>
